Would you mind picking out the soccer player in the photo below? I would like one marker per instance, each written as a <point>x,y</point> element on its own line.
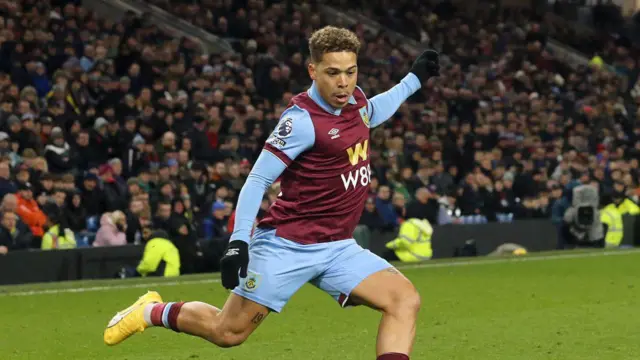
<point>320,151</point>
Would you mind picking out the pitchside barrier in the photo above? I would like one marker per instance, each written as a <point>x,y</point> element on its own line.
<point>21,267</point>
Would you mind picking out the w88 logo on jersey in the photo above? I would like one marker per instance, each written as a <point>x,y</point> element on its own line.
<point>358,177</point>
<point>362,175</point>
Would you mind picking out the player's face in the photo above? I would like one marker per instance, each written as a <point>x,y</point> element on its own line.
<point>335,77</point>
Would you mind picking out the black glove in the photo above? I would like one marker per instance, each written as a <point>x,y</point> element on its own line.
<point>234,261</point>
<point>426,65</point>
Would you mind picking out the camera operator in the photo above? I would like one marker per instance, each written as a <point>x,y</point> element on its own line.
<point>582,226</point>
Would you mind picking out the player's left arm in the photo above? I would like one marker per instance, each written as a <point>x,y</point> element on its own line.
<point>382,106</point>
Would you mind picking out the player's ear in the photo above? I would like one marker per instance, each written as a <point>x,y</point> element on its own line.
<point>312,70</point>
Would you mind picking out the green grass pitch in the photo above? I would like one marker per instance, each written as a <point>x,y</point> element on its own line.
<point>568,306</point>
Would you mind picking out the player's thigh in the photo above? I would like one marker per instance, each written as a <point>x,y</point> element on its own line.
<point>241,316</point>
<point>351,265</point>
<point>389,291</point>
<point>277,269</point>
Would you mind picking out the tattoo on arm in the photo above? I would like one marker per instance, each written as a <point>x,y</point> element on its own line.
<point>257,318</point>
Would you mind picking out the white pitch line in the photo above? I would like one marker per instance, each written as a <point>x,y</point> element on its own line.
<point>522,259</point>
<point>416,266</point>
<point>110,287</point>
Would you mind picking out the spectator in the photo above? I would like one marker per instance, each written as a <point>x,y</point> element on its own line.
<point>115,197</point>
<point>449,212</point>
<point>112,230</point>
<point>12,236</point>
<point>82,151</point>
<point>9,203</point>
<point>399,205</point>
<point>134,227</point>
<point>6,185</point>
<point>92,198</point>
<point>370,216</point>
<point>58,153</point>
<point>58,235</point>
<point>179,232</point>
<point>29,210</point>
<point>75,212</point>
<point>215,227</point>
<point>425,206</point>
<point>116,168</point>
<point>385,208</point>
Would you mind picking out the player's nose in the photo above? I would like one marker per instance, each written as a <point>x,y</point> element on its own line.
<point>342,81</point>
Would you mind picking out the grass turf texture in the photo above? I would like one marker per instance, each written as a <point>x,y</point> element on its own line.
<point>578,305</point>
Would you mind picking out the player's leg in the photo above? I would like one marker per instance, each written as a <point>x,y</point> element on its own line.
<point>395,296</point>
<point>359,277</point>
<point>276,271</point>
<point>228,327</point>
<point>225,328</point>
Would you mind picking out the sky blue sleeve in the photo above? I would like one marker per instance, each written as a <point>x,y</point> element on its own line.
<point>383,106</point>
<point>266,170</point>
<point>293,135</point>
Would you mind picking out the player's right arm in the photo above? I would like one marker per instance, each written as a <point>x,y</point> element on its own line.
<point>293,135</point>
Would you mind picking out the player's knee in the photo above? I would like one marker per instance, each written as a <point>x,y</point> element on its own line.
<point>405,302</point>
<point>413,302</point>
<point>227,339</point>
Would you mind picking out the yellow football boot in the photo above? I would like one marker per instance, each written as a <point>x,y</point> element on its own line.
<point>130,320</point>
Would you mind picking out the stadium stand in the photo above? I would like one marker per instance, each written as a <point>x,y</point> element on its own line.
<point>500,69</point>
<point>99,116</point>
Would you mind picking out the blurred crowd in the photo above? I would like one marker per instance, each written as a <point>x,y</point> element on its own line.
<point>109,130</point>
<point>508,127</point>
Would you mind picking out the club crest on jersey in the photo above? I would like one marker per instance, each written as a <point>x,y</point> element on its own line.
<point>252,281</point>
<point>285,128</point>
<point>364,115</point>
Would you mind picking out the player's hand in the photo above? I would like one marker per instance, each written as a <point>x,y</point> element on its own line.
<point>234,262</point>
<point>426,66</point>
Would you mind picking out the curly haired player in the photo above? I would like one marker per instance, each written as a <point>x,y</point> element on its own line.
<point>320,151</point>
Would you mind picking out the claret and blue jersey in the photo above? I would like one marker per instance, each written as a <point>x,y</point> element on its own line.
<point>321,155</point>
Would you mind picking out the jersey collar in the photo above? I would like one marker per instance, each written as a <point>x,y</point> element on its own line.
<point>315,96</point>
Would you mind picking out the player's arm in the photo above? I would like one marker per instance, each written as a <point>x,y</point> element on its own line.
<point>293,135</point>
<point>381,107</point>
<point>265,171</point>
